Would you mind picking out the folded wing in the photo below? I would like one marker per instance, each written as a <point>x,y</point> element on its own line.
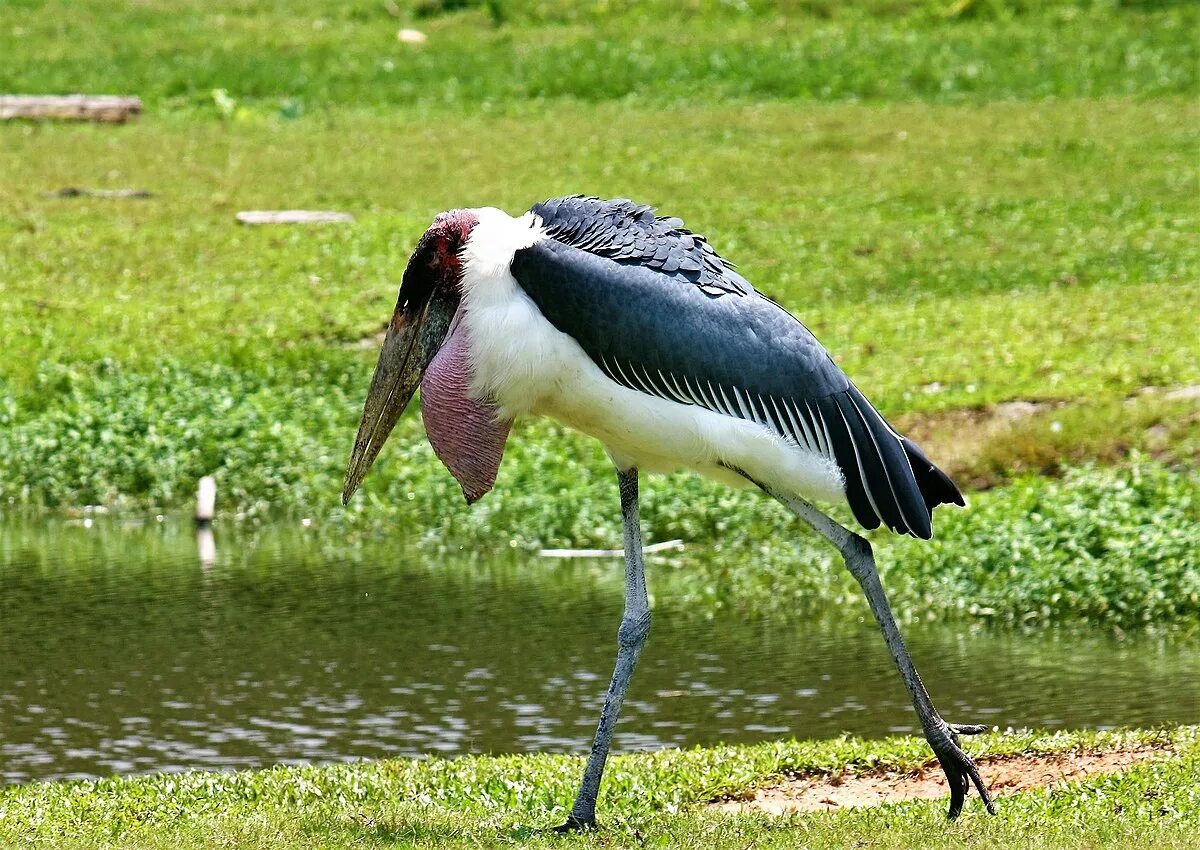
<point>684,338</point>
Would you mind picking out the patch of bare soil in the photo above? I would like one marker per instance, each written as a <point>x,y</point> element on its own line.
<point>1004,775</point>
<point>981,447</point>
<point>957,437</point>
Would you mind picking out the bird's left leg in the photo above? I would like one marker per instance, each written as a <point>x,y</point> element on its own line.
<point>631,637</point>
<point>942,736</point>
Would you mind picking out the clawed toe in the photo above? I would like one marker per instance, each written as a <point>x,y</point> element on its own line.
<point>575,824</point>
<point>960,769</point>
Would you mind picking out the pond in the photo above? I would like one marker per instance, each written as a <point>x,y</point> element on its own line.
<point>120,653</point>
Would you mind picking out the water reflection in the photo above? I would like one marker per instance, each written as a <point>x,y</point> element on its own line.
<point>118,654</point>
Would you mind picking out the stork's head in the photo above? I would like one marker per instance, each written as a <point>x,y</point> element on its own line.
<point>429,297</point>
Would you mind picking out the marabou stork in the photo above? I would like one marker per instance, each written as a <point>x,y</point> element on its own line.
<point>632,329</point>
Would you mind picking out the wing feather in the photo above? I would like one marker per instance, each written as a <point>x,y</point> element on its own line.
<point>804,434</point>
<point>735,353</point>
<point>821,429</point>
<point>910,516</point>
<point>866,471</point>
<point>631,233</point>
<point>687,397</point>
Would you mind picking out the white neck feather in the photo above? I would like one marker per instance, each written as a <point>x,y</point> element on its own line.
<point>493,241</point>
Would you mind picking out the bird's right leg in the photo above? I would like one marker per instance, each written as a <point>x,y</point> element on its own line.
<point>942,736</point>
<point>631,637</point>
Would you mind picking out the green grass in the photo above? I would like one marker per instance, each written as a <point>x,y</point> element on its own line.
<point>648,800</point>
<point>1114,547</point>
<point>1032,251</point>
<point>291,56</point>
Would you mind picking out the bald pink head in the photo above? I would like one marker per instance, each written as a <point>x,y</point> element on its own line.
<point>426,311</point>
<point>436,264</point>
<point>465,432</point>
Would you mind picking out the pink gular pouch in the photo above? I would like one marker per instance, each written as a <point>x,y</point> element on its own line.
<point>468,436</point>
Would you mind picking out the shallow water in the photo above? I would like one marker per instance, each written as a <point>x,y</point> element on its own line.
<point>120,653</point>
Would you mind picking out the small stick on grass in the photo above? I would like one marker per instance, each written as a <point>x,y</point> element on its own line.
<point>292,216</point>
<point>608,553</point>
<point>103,108</point>
<point>80,192</point>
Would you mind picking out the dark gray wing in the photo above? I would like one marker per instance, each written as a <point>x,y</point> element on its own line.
<point>632,234</point>
<point>740,356</point>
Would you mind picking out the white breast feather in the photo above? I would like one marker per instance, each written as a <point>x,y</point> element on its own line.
<point>527,366</point>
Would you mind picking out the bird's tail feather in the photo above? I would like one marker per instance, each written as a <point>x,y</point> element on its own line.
<point>888,479</point>
<point>936,486</point>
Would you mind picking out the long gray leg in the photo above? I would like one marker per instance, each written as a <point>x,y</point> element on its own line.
<point>942,736</point>
<point>631,637</point>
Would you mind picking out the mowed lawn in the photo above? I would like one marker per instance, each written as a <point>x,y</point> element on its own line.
<point>949,256</point>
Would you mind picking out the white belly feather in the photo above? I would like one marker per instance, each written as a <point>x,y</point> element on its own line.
<point>527,366</point>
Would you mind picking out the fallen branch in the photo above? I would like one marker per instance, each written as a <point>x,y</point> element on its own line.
<point>292,216</point>
<point>608,553</point>
<point>105,108</point>
<point>78,192</point>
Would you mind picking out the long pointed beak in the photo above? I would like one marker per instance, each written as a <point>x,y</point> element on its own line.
<point>397,375</point>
